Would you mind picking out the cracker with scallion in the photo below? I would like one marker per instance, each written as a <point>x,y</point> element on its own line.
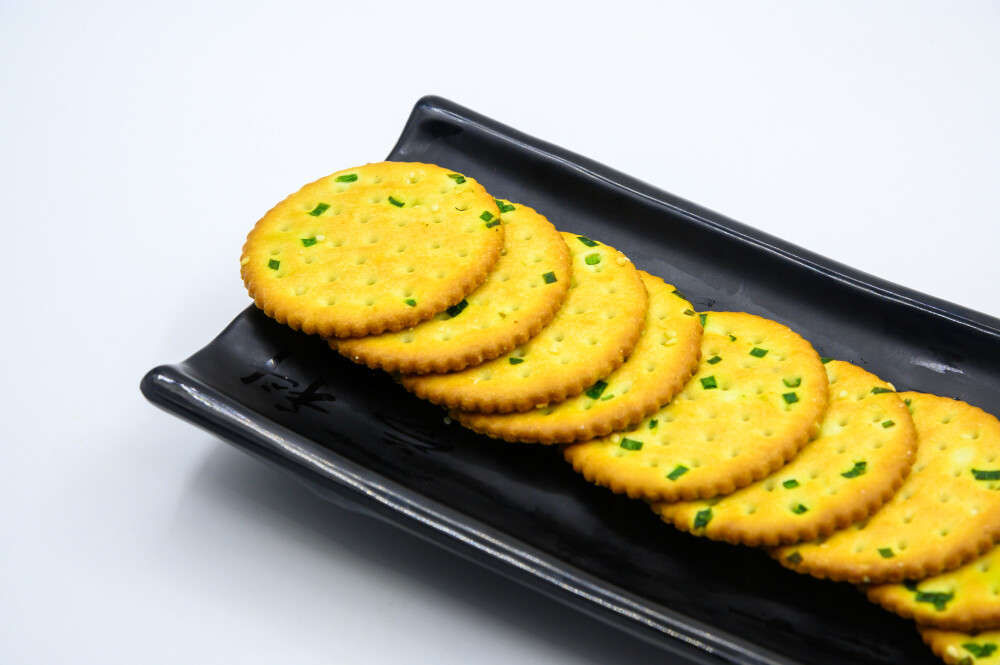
<point>591,335</point>
<point>756,399</point>
<point>863,452</point>
<point>507,309</point>
<point>946,513</point>
<point>966,598</point>
<point>958,648</point>
<point>663,360</point>
<point>374,248</point>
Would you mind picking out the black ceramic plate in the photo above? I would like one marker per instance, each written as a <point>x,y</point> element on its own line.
<point>356,437</point>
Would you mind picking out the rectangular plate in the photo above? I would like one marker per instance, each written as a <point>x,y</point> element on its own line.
<point>357,438</point>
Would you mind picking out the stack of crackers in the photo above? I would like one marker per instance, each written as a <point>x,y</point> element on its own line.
<point>729,425</point>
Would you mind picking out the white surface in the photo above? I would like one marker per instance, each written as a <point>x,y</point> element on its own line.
<point>139,143</point>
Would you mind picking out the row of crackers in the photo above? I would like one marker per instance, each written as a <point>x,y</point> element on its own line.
<point>730,425</point>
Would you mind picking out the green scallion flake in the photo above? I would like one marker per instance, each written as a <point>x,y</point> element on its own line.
<point>457,177</point>
<point>350,177</point>
<point>992,474</point>
<point>886,552</point>
<point>495,222</point>
<point>595,390</point>
<point>411,302</point>
<point>308,242</point>
<point>732,338</point>
<point>910,585</point>
<point>689,312</point>
<point>592,259</point>
<point>457,309</point>
<point>790,398</point>
<point>396,202</point>
<point>702,318</point>
<point>486,216</point>
<point>887,423</point>
<point>549,277</point>
<point>825,359</point>
<point>319,209</point>
<point>708,383</point>
<point>631,444</point>
<point>983,650</point>
<point>678,471</point>
<point>587,241</point>
<point>799,509</point>
<point>504,207</point>
<point>758,352</point>
<point>515,361</point>
<point>907,401</point>
<point>794,558</point>
<point>678,294</point>
<point>938,599</point>
<point>273,264</point>
<point>792,383</point>
<point>858,469</point>
<point>702,518</point>
<point>789,484</point>
<point>606,398</point>
<point>653,423</point>
<point>713,360</point>
<point>879,389</point>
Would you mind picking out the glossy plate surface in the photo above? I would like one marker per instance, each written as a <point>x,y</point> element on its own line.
<point>357,438</point>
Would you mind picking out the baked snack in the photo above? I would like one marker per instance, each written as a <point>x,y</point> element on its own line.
<point>946,513</point>
<point>502,313</point>
<point>663,360</point>
<point>373,248</point>
<point>757,397</point>
<point>864,450</point>
<point>590,337</point>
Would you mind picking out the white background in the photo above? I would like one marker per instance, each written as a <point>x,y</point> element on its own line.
<point>139,142</point>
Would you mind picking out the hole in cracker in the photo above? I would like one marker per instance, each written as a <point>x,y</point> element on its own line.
<point>275,251</point>
<point>360,260</point>
<point>330,302</point>
<point>309,259</point>
<point>369,302</point>
<point>301,290</point>
<point>462,253</point>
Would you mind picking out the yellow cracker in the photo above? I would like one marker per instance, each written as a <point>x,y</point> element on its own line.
<point>590,336</point>
<point>956,648</point>
<point>661,363</point>
<point>865,448</point>
<point>509,308</point>
<point>945,514</point>
<point>373,248</point>
<point>967,598</point>
<point>735,421</point>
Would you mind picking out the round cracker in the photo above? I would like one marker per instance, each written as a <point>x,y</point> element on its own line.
<point>863,452</point>
<point>663,360</point>
<point>734,422</point>
<point>503,312</point>
<point>966,598</point>
<point>959,648</point>
<point>946,513</point>
<point>591,335</point>
<point>373,248</point>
